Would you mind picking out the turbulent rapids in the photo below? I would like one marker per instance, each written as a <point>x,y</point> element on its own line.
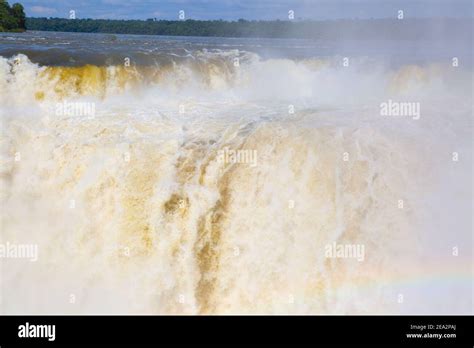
<point>219,182</point>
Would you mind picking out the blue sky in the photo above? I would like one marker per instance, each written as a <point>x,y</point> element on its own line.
<point>248,9</point>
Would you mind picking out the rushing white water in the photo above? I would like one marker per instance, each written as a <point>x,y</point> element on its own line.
<point>126,179</point>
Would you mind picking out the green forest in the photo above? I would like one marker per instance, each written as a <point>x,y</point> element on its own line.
<point>331,29</point>
<point>240,28</point>
<point>12,18</point>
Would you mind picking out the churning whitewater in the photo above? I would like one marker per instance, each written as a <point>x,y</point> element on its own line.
<point>225,182</point>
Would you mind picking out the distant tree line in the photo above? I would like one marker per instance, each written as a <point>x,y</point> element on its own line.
<point>240,28</point>
<point>332,29</point>
<point>12,18</point>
